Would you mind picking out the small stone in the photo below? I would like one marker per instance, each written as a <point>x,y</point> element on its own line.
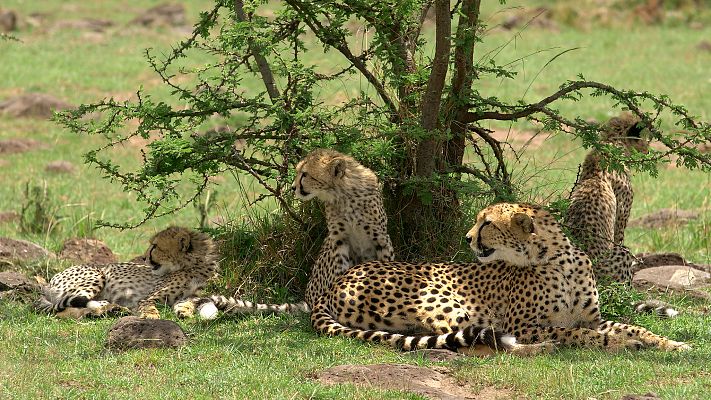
<point>87,251</point>
<point>33,105</point>
<point>14,146</point>
<point>165,14</point>
<point>60,167</point>
<point>674,277</point>
<point>135,333</point>
<point>9,216</point>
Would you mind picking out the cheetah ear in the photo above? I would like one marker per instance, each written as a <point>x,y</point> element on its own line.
<point>523,221</point>
<point>338,168</point>
<point>184,243</point>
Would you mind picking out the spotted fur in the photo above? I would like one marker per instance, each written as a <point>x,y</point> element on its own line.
<point>178,263</point>
<point>356,219</point>
<point>531,283</point>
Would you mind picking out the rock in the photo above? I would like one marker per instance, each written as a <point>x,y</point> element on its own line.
<point>650,260</point>
<point>13,146</point>
<point>139,260</point>
<point>166,14</point>
<point>540,17</point>
<point>33,105</point>
<point>664,217</point>
<point>20,250</point>
<point>11,280</point>
<point>679,278</point>
<point>647,396</point>
<point>87,251</point>
<point>60,167</point>
<point>433,383</point>
<point>9,216</point>
<point>8,20</point>
<point>704,45</point>
<point>136,333</point>
<point>84,24</point>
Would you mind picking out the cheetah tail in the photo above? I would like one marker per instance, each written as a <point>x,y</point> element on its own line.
<point>658,307</point>
<point>207,307</point>
<point>52,301</point>
<point>325,324</point>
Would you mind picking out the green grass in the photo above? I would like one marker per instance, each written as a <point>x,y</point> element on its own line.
<point>272,357</point>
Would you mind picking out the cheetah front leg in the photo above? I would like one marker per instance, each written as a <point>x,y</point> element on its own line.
<point>174,287</point>
<point>644,336</point>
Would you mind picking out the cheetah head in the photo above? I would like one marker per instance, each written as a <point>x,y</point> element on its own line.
<point>177,248</point>
<point>519,234</point>
<point>628,131</point>
<point>328,175</point>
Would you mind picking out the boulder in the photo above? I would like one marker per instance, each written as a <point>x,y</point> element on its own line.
<point>135,333</point>
<point>11,280</point>
<point>678,278</point>
<point>8,21</point>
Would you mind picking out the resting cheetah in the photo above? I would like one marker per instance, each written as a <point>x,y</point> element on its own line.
<point>356,219</point>
<point>531,283</point>
<point>178,263</point>
<point>601,204</point>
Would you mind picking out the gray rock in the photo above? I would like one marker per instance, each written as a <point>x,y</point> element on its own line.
<point>8,20</point>
<point>677,278</point>
<point>166,14</point>
<point>136,333</point>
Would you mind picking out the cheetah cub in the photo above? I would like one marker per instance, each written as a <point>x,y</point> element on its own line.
<point>600,208</point>
<point>178,262</point>
<point>356,220</point>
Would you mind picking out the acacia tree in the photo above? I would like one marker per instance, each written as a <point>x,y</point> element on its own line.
<point>412,120</point>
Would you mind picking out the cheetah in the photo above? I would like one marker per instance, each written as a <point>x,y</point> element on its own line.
<point>601,202</point>
<point>600,208</point>
<point>531,286</point>
<point>356,220</point>
<point>178,262</point>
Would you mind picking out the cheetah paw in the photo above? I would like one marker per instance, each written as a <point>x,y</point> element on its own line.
<point>151,313</point>
<point>184,309</point>
<point>671,345</point>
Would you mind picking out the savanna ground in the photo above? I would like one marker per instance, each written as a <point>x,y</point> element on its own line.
<point>274,356</point>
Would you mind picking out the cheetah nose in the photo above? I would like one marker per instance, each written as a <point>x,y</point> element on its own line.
<point>469,238</point>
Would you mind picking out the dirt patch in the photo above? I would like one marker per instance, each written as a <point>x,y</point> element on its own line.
<point>704,45</point>
<point>12,146</point>
<point>433,383</point>
<point>33,105</point>
<point>520,139</point>
<point>60,167</point>
<point>8,20</point>
<point>540,17</point>
<point>12,249</point>
<point>166,14</point>
<point>665,217</point>
<point>89,251</point>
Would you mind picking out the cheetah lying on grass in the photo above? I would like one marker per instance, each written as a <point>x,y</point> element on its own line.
<point>178,263</point>
<point>531,287</point>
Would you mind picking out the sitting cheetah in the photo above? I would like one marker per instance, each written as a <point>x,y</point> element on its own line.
<point>601,204</point>
<point>531,283</point>
<point>600,207</point>
<point>178,263</point>
<point>356,219</point>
